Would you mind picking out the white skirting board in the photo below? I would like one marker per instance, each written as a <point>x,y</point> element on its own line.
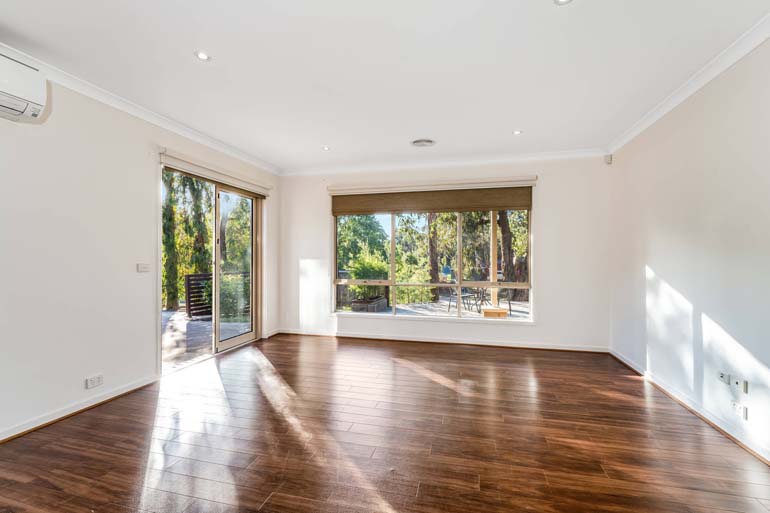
<point>628,362</point>
<point>733,429</point>
<point>74,407</point>
<point>445,340</point>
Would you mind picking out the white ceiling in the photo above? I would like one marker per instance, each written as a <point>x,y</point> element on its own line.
<point>365,78</point>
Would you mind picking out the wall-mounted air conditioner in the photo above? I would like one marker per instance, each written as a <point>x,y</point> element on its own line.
<point>22,90</point>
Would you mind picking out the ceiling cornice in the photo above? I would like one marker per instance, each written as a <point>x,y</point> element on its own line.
<point>742,46</point>
<point>86,88</point>
<point>750,40</point>
<point>430,164</point>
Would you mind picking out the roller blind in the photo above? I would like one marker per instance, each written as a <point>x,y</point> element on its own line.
<point>458,200</point>
<point>184,164</point>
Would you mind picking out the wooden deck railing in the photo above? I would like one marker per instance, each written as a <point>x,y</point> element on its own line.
<point>197,294</point>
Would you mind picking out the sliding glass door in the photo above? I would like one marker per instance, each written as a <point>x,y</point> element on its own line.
<point>235,288</point>
<point>210,263</point>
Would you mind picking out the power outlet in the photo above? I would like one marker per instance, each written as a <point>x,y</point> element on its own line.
<point>740,410</point>
<point>94,381</point>
<point>739,385</point>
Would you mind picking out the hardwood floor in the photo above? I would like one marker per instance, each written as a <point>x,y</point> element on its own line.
<point>308,424</point>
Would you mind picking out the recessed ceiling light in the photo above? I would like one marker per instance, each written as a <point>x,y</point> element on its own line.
<point>325,148</point>
<point>423,143</point>
<point>203,56</point>
<point>561,2</point>
<point>517,132</point>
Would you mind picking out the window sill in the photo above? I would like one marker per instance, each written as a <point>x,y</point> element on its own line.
<point>461,320</point>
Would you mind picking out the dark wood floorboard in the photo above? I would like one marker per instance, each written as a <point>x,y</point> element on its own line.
<point>322,425</point>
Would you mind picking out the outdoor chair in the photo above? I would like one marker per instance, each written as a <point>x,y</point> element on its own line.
<point>481,298</point>
<point>465,296</point>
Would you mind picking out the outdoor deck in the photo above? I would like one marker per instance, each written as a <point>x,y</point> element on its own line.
<point>186,341</point>
<point>441,308</point>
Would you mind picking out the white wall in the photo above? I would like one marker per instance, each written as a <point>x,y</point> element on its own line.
<point>570,286</point>
<point>691,239</point>
<point>80,207</point>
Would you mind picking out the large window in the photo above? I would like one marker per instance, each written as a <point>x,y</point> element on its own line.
<point>456,263</point>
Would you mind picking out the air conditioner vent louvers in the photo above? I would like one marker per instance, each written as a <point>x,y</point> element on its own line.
<point>23,91</point>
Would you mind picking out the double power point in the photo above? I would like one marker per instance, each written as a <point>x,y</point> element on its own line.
<point>94,381</point>
<point>739,388</point>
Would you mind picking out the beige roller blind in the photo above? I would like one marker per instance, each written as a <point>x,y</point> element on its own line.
<point>457,200</point>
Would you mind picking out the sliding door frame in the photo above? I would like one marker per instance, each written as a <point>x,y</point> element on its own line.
<point>256,270</point>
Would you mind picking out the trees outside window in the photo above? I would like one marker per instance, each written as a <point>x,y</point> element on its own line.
<point>429,274</point>
<point>359,234</point>
<point>514,249</point>
<point>476,246</point>
<point>187,209</point>
<point>426,252</point>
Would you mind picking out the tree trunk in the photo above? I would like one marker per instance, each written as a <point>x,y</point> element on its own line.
<point>506,239</point>
<point>170,256</point>
<point>521,275</point>
<point>433,254</point>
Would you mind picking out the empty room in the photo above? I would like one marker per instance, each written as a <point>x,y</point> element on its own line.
<point>294,256</point>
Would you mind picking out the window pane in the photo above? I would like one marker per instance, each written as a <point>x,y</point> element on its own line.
<point>363,299</point>
<point>235,250</point>
<point>495,303</point>
<point>512,246</point>
<point>426,248</point>
<point>363,247</point>
<point>476,242</point>
<point>426,301</point>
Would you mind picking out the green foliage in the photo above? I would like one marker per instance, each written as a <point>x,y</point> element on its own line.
<point>355,232</point>
<point>513,244</point>
<point>520,231</point>
<point>197,222</point>
<point>476,233</point>
<point>414,233</point>
<point>170,277</point>
<point>368,265</point>
<point>237,248</point>
<point>425,246</point>
<point>236,231</point>
<point>235,294</point>
<point>412,258</point>
<point>188,226</point>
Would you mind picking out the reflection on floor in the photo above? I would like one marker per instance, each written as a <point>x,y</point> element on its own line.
<point>186,341</point>
<point>311,424</point>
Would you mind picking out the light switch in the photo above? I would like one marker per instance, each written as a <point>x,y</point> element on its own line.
<point>142,268</point>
